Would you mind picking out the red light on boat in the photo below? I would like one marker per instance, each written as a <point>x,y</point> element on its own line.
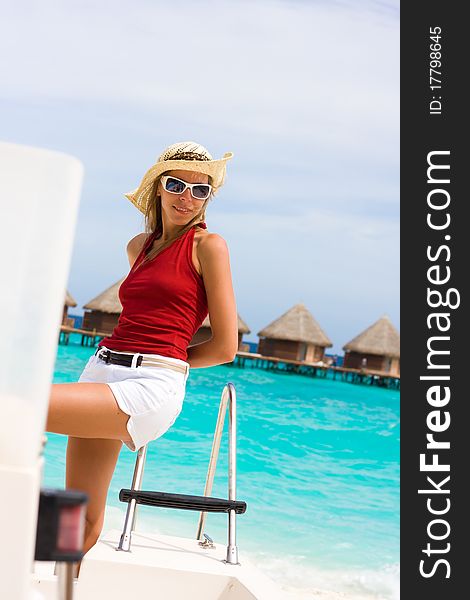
<point>71,528</point>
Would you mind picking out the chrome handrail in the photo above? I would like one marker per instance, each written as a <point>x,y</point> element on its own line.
<point>129,523</point>
<point>228,395</point>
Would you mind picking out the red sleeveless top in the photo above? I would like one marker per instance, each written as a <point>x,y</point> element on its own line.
<point>163,302</point>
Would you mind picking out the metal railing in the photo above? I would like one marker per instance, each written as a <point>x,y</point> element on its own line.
<point>131,513</point>
<point>228,398</point>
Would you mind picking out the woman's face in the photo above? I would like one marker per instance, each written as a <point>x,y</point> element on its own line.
<point>181,208</point>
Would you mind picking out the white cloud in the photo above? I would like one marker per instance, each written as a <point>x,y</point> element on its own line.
<point>307,66</point>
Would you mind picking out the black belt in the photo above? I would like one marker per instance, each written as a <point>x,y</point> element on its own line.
<point>118,359</point>
<point>144,360</point>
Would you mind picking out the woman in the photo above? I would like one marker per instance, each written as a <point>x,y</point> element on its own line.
<point>132,388</point>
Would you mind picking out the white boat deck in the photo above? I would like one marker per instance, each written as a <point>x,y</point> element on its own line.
<point>160,566</point>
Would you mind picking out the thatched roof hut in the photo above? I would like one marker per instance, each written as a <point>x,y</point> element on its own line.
<point>69,301</point>
<point>295,335</point>
<point>205,332</point>
<point>377,348</point>
<point>102,313</point>
<point>108,301</point>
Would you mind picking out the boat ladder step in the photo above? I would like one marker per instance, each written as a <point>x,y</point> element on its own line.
<point>203,504</point>
<point>183,501</point>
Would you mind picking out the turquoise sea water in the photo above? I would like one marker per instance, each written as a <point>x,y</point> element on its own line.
<point>317,465</point>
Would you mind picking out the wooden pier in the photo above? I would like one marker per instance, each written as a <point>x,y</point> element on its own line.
<point>89,337</point>
<point>270,363</point>
<point>311,369</point>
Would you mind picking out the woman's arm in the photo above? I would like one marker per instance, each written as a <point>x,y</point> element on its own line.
<point>214,259</point>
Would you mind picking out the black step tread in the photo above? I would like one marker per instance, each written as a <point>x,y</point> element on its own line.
<point>183,501</point>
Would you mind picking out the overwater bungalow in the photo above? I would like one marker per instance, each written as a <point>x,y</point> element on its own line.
<point>377,348</point>
<point>69,301</point>
<point>204,333</point>
<point>294,335</point>
<point>102,313</point>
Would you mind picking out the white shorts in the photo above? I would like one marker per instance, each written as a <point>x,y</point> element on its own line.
<point>151,396</point>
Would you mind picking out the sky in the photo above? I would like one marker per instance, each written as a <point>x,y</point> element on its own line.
<point>306,95</point>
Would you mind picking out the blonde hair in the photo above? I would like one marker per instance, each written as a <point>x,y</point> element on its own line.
<point>154,222</point>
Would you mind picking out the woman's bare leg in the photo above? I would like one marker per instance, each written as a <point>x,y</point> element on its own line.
<point>90,467</point>
<point>86,410</point>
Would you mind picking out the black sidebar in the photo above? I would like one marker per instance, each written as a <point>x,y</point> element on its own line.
<point>435,332</point>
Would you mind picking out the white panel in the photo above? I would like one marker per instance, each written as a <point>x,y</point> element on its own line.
<point>39,196</point>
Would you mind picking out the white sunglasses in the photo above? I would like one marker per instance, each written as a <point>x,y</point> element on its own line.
<point>199,191</point>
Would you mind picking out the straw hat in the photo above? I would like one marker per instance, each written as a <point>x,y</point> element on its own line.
<point>188,156</point>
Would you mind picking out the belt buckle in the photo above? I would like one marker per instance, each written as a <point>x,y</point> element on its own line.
<point>135,360</point>
<point>106,356</point>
